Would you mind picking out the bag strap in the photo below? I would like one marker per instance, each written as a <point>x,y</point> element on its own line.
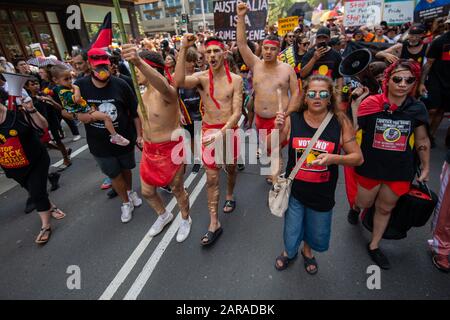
<point>313,141</point>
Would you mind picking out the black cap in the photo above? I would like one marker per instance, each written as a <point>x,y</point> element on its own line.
<point>417,28</point>
<point>323,31</point>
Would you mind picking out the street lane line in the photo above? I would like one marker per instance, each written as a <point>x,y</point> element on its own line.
<point>11,183</point>
<point>74,154</point>
<point>150,266</point>
<point>137,253</point>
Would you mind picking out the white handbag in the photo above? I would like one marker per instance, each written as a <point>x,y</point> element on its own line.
<point>279,194</point>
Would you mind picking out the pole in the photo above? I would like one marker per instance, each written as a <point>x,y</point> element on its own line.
<point>203,14</point>
<point>133,72</point>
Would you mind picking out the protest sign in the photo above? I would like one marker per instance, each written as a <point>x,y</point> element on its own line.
<point>286,25</point>
<point>398,11</point>
<point>225,19</point>
<point>362,12</point>
<point>37,51</point>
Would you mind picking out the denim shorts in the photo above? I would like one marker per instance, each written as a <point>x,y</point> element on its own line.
<point>305,224</point>
<point>113,166</point>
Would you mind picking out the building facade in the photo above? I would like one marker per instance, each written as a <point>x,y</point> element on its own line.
<point>25,22</point>
<point>162,16</point>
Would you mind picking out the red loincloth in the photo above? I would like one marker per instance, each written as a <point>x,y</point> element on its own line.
<point>208,152</point>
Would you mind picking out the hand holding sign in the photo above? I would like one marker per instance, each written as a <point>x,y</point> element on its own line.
<point>242,9</point>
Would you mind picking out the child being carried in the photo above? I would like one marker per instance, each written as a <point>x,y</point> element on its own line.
<point>72,102</point>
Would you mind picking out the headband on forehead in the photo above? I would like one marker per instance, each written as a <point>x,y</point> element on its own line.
<point>272,42</point>
<point>215,43</point>
<point>159,66</point>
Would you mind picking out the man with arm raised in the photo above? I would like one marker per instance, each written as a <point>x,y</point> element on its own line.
<point>270,76</point>
<point>221,93</point>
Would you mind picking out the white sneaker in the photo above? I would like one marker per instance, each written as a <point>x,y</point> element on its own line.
<point>184,229</point>
<point>134,199</point>
<point>76,138</point>
<point>127,212</point>
<point>159,225</point>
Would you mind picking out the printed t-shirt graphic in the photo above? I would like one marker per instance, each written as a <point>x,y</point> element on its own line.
<point>391,134</point>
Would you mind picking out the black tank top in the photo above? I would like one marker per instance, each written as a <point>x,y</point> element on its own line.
<point>419,57</point>
<point>190,100</point>
<point>20,147</point>
<point>314,186</point>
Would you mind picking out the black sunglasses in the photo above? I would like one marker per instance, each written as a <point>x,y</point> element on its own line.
<point>99,57</point>
<point>408,80</point>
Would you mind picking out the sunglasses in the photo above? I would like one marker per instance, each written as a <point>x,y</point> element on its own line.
<point>99,57</point>
<point>408,80</point>
<point>322,94</point>
<point>305,43</point>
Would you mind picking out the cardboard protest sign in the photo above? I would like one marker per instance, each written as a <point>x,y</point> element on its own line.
<point>362,12</point>
<point>286,25</point>
<point>225,19</point>
<point>398,11</point>
<point>37,51</point>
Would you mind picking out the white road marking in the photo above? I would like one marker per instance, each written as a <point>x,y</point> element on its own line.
<point>7,184</point>
<point>150,266</point>
<point>137,253</point>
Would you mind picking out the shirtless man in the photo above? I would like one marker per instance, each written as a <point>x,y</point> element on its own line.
<point>158,169</point>
<point>269,75</point>
<point>221,93</point>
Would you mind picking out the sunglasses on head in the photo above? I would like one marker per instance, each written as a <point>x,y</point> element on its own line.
<point>99,57</point>
<point>408,80</point>
<point>322,94</point>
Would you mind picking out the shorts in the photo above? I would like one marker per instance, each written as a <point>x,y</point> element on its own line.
<point>267,124</point>
<point>438,96</point>
<point>398,187</point>
<point>113,166</point>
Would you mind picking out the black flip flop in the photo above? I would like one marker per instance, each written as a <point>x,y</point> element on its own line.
<point>211,237</point>
<point>229,204</point>
<point>285,260</point>
<point>310,262</point>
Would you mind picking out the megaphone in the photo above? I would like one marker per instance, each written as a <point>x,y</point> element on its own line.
<point>15,82</point>
<point>355,63</point>
<point>356,66</point>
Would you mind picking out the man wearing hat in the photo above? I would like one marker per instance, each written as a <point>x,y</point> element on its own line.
<point>322,59</point>
<point>112,95</point>
<point>413,48</point>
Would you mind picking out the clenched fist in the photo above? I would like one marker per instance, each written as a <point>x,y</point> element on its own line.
<point>242,9</point>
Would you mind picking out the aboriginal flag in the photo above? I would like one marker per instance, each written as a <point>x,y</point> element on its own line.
<point>104,35</point>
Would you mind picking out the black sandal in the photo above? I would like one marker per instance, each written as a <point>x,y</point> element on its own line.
<point>229,204</point>
<point>284,262</point>
<point>310,262</point>
<point>211,236</point>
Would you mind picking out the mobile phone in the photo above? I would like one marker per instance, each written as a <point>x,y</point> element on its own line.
<point>322,45</point>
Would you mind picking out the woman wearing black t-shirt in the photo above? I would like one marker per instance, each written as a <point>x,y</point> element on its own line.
<point>24,159</point>
<point>392,130</point>
<point>308,217</point>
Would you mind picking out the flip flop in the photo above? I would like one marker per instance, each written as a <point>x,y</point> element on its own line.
<point>54,211</point>
<point>229,204</point>
<point>284,260</point>
<point>41,235</point>
<point>211,237</point>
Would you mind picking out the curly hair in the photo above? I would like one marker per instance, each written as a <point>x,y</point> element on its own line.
<point>402,65</point>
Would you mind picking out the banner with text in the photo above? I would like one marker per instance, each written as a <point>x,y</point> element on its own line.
<point>362,12</point>
<point>225,19</point>
<point>398,11</point>
<point>286,25</point>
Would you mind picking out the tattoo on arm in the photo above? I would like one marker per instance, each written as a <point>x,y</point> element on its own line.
<point>350,140</point>
<point>422,148</point>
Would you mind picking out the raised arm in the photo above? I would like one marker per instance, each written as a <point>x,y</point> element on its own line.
<point>157,81</point>
<point>249,58</point>
<point>181,81</point>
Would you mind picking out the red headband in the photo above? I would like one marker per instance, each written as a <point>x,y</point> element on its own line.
<point>272,42</point>
<point>215,43</point>
<point>159,66</point>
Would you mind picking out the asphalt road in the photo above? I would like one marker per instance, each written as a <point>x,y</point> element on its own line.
<point>120,261</point>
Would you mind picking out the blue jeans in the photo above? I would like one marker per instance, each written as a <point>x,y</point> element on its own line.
<point>304,224</point>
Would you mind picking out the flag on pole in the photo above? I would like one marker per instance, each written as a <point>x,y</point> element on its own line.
<point>104,36</point>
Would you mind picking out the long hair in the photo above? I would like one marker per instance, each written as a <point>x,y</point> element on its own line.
<point>410,65</point>
<point>333,107</point>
